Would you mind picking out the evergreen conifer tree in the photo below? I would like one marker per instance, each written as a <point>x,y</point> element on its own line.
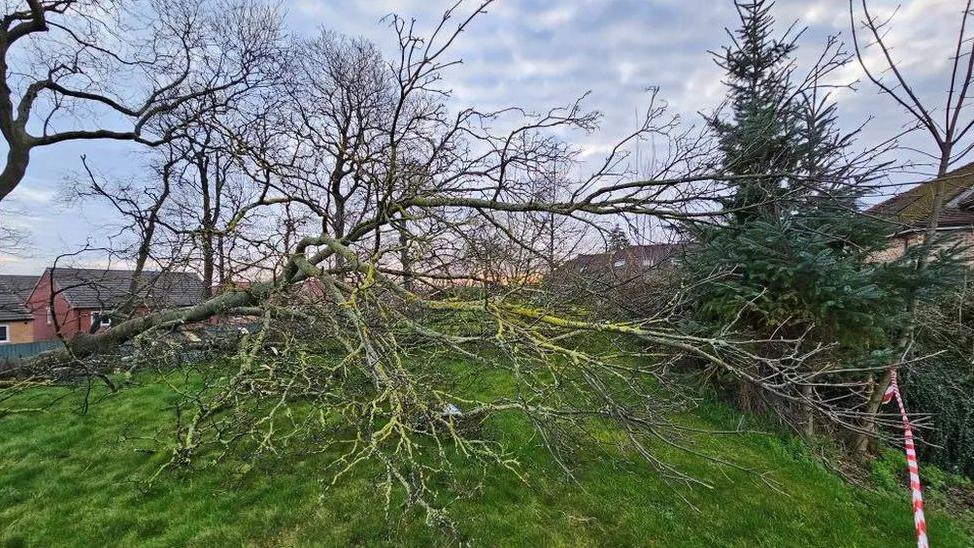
<point>764,132</point>
<point>617,239</point>
<point>796,256</point>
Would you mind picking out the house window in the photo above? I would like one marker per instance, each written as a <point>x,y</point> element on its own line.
<point>620,263</point>
<point>961,198</point>
<point>4,334</point>
<point>647,262</point>
<point>50,316</point>
<point>104,320</point>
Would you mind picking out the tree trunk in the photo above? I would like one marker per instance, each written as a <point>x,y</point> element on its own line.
<point>13,172</point>
<point>406,259</point>
<point>808,415</point>
<point>206,232</point>
<point>868,437</point>
<point>208,270</point>
<point>84,346</point>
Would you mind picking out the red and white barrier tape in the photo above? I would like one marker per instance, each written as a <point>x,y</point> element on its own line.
<point>911,464</point>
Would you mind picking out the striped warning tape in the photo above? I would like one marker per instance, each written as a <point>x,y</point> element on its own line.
<point>911,463</point>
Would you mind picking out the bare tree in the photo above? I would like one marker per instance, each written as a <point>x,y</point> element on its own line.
<point>948,126</point>
<point>140,208</point>
<point>63,61</point>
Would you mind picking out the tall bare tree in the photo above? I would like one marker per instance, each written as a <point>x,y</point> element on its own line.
<point>74,69</point>
<point>947,125</point>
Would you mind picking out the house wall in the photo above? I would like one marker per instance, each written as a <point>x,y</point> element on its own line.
<point>84,320</point>
<point>20,331</point>
<point>899,244</point>
<point>68,319</point>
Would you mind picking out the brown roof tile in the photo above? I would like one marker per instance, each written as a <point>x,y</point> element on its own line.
<point>914,206</point>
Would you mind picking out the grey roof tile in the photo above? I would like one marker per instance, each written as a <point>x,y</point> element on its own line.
<point>14,291</point>
<point>108,289</point>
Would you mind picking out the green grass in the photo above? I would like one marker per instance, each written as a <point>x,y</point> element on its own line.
<point>68,479</point>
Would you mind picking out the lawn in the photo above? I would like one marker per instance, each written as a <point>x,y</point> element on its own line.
<point>72,479</point>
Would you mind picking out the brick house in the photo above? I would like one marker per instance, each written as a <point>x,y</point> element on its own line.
<point>16,319</point>
<point>911,210</point>
<point>85,297</point>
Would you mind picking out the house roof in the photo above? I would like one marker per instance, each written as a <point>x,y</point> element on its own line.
<point>914,206</point>
<point>634,256</point>
<point>14,291</point>
<point>98,288</point>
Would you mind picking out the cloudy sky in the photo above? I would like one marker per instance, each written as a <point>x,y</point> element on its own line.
<point>543,53</point>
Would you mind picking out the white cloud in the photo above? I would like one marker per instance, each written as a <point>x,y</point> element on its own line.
<point>28,194</point>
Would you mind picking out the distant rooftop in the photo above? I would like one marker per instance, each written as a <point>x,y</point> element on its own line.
<point>913,207</point>
<point>14,291</point>
<point>631,256</point>
<point>100,288</point>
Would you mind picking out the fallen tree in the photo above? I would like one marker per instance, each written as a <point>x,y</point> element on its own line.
<point>368,208</point>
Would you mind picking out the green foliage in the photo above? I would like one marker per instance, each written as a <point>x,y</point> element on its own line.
<point>886,471</point>
<point>941,387</point>
<point>800,257</point>
<point>791,256</point>
<point>816,274</point>
<point>944,389</point>
<point>940,487</point>
<point>803,259</point>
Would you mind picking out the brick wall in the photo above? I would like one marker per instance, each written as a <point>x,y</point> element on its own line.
<point>899,244</point>
<point>68,319</point>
